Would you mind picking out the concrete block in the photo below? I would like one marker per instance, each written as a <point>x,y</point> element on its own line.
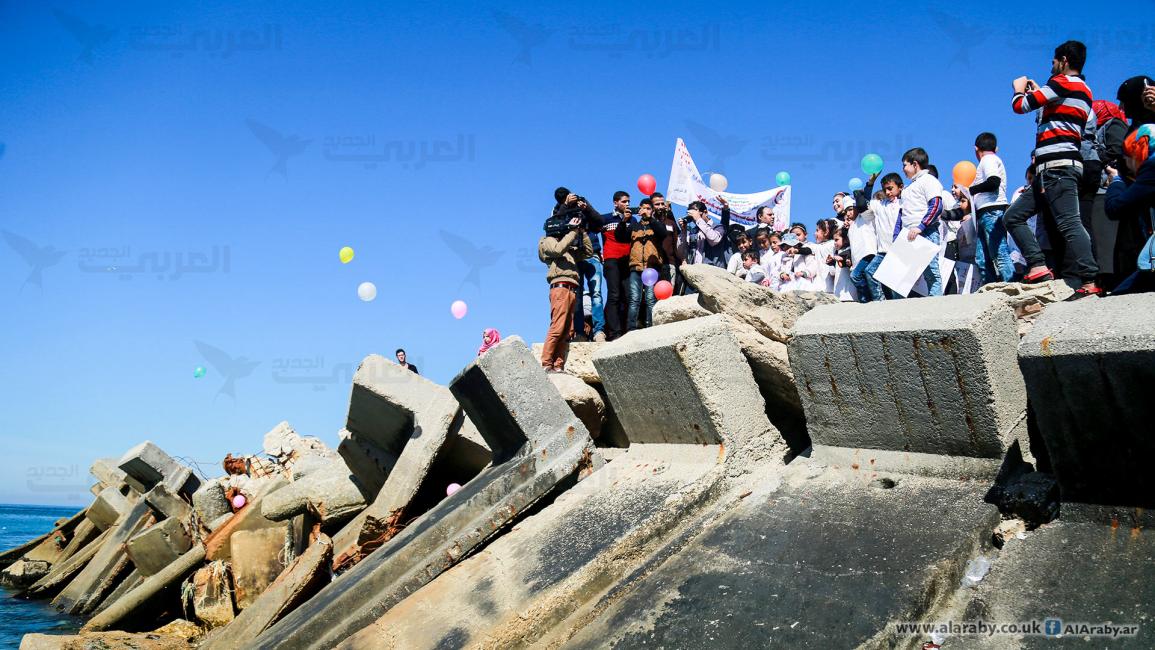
<point>65,571</point>
<point>149,464</point>
<point>578,360</point>
<point>688,382</point>
<point>23,573</point>
<point>108,474</point>
<point>369,463</point>
<point>676,309</point>
<point>772,313</point>
<point>583,400</point>
<point>210,502</point>
<point>288,446</point>
<point>107,508</point>
<point>536,442</point>
<point>159,545</point>
<point>165,503</point>
<point>250,517</point>
<point>331,494</point>
<point>11,555</point>
<point>1090,367</point>
<point>212,594</point>
<point>905,375</point>
<point>147,590</point>
<point>99,576</point>
<point>256,559</point>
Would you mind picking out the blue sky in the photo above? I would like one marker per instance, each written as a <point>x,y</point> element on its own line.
<point>139,173</point>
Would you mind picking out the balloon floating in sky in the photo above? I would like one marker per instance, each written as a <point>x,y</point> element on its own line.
<point>459,309</point>
<point>964,173</point>
<point>239,501</point>
<point>367,291</point>
<point>453,487</point>
<point>649,277</point>
<point>199,372</point>
<point>871,164</point>
<point>346,255</point>
<point>718,182</point>
<point>647,184</point>
<point>783,179</point>
<point>856,184</point>
<point>663,290</point>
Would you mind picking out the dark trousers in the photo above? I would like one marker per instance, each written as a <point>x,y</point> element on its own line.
<point>617,273</point>
<point>1053,194</point>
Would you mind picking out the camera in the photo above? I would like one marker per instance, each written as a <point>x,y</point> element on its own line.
<point>560,224</point>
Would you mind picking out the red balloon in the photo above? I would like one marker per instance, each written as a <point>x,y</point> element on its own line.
<point>663,289</point>
<point>647,184</point>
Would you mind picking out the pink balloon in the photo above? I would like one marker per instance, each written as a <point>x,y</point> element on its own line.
<point>459,309</point>
<point>453,487</point>
<point>647,184</point>
<point>239,501</point>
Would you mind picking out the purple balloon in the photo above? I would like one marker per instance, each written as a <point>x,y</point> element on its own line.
<point>650,277</point>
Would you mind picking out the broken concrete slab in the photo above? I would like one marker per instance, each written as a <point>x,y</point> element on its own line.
<point>583,400</point>
<point>678,308</point>
<point>210,502</point>
<point>149,464</point>
<point>1029,300</point>
<point>256,558</point>
<point>899,376</point>
<point>300,581</point>
<point>771,313</point>
<point>250,517</point>
<point>84,533</point>
<point>152,585</point>
<point>159,545</point>
<point>1089,367</point>
<point>817,559</point>
<point>212,594</point>
<point>108,474</point>
<point>99,576</point>
<point>23,573</point>
<point>66,570</point>
<point>13,554</point>
<point>109,506</point>
<point>536,442</point>
<point>331,494</point>
<point>288,447</point>
<point>665,383</point>
<point>578,360</point>
<point>166,503</point>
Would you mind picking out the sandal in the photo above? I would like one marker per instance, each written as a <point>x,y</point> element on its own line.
<point>1039,276</point>
<point>1083,293</point>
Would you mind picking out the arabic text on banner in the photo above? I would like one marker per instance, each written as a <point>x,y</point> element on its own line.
<point>686,185</point>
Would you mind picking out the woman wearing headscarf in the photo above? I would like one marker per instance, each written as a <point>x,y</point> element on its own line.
<point>489,338</point>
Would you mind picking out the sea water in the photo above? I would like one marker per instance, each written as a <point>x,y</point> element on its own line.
<point>20,524</point>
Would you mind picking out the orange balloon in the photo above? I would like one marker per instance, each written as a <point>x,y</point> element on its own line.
<point>663,289</point>
<point>964,173</point>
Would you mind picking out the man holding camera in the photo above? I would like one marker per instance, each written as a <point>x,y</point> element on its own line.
<point>564,245</point>
<point>615,264</point>
<point>573,205</point>
<point>645,234</point>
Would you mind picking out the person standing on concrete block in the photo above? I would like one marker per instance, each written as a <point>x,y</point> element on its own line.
<point>921,203</point>
<point>564,245</point>
<point>1136,201</point>
<point>404,364</point>
<point>645,235</point>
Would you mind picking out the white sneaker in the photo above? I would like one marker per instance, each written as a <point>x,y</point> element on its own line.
<point>600,337</point>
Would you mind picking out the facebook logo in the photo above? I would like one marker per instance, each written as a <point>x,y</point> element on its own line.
<point>1053,627</point>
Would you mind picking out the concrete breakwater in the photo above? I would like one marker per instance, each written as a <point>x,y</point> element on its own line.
<point>756,469</point>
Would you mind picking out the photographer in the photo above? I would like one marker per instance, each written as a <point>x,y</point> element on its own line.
<point>615,265</point>
<point>573,205</point>
<point>665,216</point>
<point>564,245</point>
<point>645,234</point>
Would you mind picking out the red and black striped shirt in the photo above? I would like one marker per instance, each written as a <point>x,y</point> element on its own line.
<point>1066,104</point>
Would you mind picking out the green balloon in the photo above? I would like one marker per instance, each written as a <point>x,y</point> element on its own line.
<point>199,372</point>
<point>871,164</point>
<point>783,178</point>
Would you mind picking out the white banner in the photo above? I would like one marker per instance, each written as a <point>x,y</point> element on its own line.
<point>686,186</point>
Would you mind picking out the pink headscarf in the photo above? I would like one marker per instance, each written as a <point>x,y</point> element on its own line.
<point>489,338</point>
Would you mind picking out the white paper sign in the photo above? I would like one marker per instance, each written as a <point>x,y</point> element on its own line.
<point>905,262</point>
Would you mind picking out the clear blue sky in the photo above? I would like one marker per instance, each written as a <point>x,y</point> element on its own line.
<point>140,143</point>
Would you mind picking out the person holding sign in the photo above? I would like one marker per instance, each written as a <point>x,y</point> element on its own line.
<point>920,211</point>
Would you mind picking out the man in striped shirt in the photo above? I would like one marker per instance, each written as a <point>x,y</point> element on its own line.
<point>1065,102</point>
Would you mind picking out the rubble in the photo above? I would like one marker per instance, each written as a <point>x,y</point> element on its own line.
<point>109,506</point>
<point>578,360</point>
<point>157,546</point>
<point>23,573</point>
<point>678,308</point>
<point>583,400</point>
<point>211,594</point>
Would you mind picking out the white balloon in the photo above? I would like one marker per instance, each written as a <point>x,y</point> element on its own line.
<point>367,291</point>
<point>718,182</point>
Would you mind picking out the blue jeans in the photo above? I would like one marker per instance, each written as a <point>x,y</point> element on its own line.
<point>877,291</point>
<point>862,277</point>
<point>931,275</point>
<point>591,270</point>
<point>636,291</point>
<point>993,254</point>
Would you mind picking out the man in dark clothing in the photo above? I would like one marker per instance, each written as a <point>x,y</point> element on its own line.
<point>615,265</point>
<point>401,361</point>
<point>590,267</point>
<point>665,216</point>
<point>1133,204</point>
<point>645,235</point>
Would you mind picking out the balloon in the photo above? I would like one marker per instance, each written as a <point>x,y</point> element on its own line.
<point>346,255</point>
<point>964,173</point>
<point>647,184</point>
<point>783,178</point>
<point>453,487</point>
<point>239,501</point>
<point>856,184</point>
<point>663,290</point>
<point>649,277</point>
<point>199,372</point>
<point>718,182</point>
<point>459,309</point>
<point>367,291</point>
<point>871,164</point>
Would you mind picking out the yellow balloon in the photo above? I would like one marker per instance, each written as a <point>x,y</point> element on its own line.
<point>346,255</point>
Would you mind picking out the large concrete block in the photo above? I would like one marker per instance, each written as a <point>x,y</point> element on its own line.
<point>23,573</point>
<point>578,360</point>
<point>678,308</point>
<point>149,464</point>
<point>936,377</point>
<point>167,503</point>
<point>210,502</point>
<point>536,441</point>
<point>583,399</point>
<point>688,382</point>
<point>212,594</point>
<point>108,474</point>
<point>1090,368</point>
<point>159,545</point>
<point>107,507</point>
<point>331,494</point>
<point>99,576</point>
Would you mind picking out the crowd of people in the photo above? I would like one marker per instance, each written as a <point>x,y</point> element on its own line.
<point>1085,214</point>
